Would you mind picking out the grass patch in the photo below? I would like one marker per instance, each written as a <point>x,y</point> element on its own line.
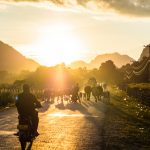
<point>140,85</point>
<point>10,105</point>
<point>126,125</point>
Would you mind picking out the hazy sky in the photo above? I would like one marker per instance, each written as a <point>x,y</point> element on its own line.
<point>56,31</point>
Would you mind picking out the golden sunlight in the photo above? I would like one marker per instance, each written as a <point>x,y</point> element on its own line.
<point>58,44</point>
<point>76,114</point>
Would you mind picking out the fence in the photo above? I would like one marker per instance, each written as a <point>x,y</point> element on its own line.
<point>8,96</point>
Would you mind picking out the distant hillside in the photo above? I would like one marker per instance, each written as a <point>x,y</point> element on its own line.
<point>145,53</point>
<point>11,60</point>
<point>77,64</point>
<point>118,59</point>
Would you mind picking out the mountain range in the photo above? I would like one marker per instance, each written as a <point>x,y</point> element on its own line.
<point>118,59</point>
<point>11,60</point>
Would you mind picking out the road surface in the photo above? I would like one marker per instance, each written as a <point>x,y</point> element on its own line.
<point>61,127</point>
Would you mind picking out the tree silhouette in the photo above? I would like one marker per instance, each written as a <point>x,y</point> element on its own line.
<point>109,72</point>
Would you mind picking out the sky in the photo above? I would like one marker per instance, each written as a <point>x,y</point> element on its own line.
<point>56,31</point>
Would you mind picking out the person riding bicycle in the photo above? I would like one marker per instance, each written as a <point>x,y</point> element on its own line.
<point>26,104</point>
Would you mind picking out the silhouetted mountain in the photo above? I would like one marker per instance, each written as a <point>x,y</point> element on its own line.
<point>11,60</point>
<point>77,64</point>
<point>145,53</point>
<point>118,59</point>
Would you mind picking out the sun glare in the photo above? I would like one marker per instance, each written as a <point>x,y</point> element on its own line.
<point>57,44</point>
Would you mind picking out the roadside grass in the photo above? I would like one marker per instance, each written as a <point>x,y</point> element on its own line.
<point>140,85</point>
<point>127,123</point>
<point>9,105</point>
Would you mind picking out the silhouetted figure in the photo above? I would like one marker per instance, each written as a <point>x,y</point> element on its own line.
<point>26,104</point>
<point>106,98</point>
<point>99,92</point>
<point>75,92</point>
<point>95,93</point>
<point>88,91</point>
<point>60,95</point>
<point>106,94</point>
<point>52,95</point>
<point>67,94</point>
<point>80,95</point>
<point>47,95</point>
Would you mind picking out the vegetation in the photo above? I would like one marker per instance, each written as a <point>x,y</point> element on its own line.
<point>108,72</point>
<point>6,98</point>
<point>127,121</point>
<point>60,77</point>
<point>126,125</point>
<point>140,85</point>
<point>139,91</point>
<point>6,77</point>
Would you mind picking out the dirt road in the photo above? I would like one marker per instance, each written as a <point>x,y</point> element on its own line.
<point>61,127</point>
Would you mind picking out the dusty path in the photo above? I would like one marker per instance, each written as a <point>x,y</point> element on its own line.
<point>62,127</point>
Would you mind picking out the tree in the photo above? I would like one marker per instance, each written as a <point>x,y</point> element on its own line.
<point>92,81</point>
<point>109,72</point>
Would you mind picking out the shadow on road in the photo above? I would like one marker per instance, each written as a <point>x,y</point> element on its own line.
<point>60,106</point>
<point>97,121</point>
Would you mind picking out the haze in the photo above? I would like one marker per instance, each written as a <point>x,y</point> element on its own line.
<point>52,33</point>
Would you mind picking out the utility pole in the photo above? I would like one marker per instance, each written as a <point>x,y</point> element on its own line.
<point>148,46</point>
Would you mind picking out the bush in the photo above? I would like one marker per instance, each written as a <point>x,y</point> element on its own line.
<point>6,98</point>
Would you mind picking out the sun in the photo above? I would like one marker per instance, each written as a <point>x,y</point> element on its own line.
<point>57,43</point>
